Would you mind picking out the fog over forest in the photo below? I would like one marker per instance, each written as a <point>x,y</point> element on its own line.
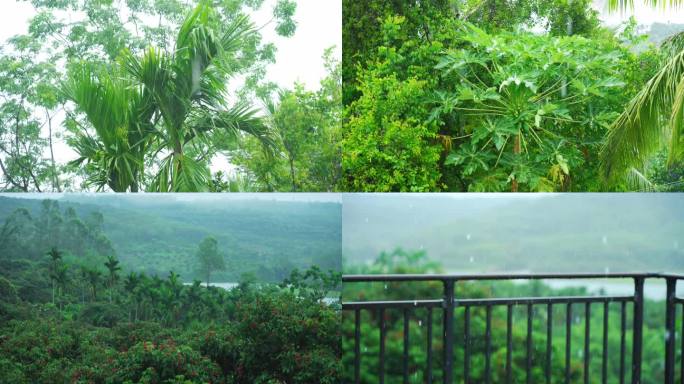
<point>539,233</point>
<point>261,235</point>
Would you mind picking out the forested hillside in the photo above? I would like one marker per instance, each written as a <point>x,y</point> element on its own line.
<point>156,234</point>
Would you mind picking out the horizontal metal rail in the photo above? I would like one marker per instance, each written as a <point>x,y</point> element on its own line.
<point>448,304</point>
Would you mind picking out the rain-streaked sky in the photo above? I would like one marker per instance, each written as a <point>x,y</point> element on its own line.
<point>523,232</point>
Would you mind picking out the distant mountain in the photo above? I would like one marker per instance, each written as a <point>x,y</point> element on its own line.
<point>159,233</point>
<point>661,31</point>
<point>560,232</point>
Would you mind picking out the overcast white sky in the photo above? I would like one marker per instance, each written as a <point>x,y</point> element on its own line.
<point>644,13</point>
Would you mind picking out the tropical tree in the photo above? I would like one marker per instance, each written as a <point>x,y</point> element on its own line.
<point>60,278</point>
<point>94,279</point>
<point>130,286</point>
<point>55,261</point>
<point>112,265</point>
<point>529,107</point>
<point>167,104</point>
<point>209,257</point>
<point>651,120</point>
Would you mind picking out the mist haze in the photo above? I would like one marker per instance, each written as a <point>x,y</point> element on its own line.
<point>537,233</point>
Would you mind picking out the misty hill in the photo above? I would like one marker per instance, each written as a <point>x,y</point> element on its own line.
<point>159,233</point>
<point>661,31</point>
<point>562,233</point>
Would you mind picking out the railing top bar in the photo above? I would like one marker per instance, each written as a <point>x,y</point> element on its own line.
<point>392,304</point>
<point>503,276</point>
<point>483,302</point>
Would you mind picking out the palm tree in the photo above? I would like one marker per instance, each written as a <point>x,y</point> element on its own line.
<point>59,277</point>
<point>94,278</point>
<point>120,113</point>
<point>55,258</point>
<point>168,104</point>
<point>652,118</point>
<point>130,285</point>
<point>112,265</point>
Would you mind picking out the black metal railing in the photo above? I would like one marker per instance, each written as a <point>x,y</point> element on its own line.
<point>449,303</point>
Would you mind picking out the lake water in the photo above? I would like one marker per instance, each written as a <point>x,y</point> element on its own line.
<point>226,286</point>
<point>654,289</point>
<point>229,286</point>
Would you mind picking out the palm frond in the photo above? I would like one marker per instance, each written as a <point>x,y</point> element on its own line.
<point>181,173</point>
<point>673,44</point>
<point>644,125</point>
<point>115,110</point>
<point>235,121</point>
<point>624,5</point>
<point>637,181</point>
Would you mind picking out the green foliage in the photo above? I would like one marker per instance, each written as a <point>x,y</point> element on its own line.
<point>416,262</point>
<point>307,129</point>
<point>155,330</point>
<point>530,108</point>
<point>210,259</point>
<point>385,137</point>
<point>165,103</point>
<point>651,120</point>
<point>457,96</point>
<point>120,144</point>
<point>142,233</point>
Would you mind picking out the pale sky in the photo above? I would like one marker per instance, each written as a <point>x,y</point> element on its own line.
<point>644,13</point>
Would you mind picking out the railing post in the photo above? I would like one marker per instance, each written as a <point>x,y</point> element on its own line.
<point>670,331</point>
<point>448,331</point>
<point>638,329</point>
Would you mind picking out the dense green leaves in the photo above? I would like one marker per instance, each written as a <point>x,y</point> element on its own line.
<point>71,312</point>
<point>488,106</point>
<point>170,100</point>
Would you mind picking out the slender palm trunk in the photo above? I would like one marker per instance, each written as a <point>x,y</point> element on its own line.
<point>516,151</point>
<point>292,175</point>
<point>53,292</point>
<point>55,179</point>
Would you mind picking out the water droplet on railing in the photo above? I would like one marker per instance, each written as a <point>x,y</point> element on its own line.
<point>415,303</point>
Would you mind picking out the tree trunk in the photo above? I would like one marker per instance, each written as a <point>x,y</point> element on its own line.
<point>516,151</point>
<point>292,174</point>
<point>55,179</point>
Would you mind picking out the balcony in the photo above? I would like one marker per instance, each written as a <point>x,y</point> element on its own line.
<point>456,340</point>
